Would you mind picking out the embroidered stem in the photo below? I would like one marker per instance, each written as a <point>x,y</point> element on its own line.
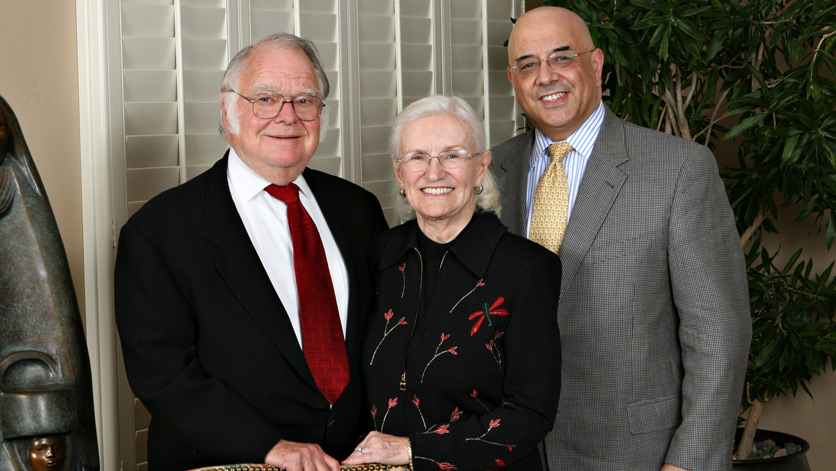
<point>451,350</point>
<point>386,331</point>
<point>478,284</point>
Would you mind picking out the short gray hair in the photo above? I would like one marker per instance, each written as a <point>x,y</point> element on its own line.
<point>457,107</point>
<point>236,66</point>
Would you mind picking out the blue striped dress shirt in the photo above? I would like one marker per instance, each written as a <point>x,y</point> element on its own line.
<point>582,141</point>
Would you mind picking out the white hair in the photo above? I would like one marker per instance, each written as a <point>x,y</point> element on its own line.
<point>456,106</point>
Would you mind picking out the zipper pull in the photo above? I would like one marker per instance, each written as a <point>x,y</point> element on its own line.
<point>403,381</point>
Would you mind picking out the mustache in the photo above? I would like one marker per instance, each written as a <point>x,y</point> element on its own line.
<point>551,89</point>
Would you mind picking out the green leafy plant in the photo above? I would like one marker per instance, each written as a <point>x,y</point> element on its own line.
<point>757,76</point>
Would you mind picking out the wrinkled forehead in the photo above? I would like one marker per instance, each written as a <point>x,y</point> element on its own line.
<point>283,70</point>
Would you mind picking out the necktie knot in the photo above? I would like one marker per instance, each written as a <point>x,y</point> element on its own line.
<point>559,151</point>
<point>288,194</point>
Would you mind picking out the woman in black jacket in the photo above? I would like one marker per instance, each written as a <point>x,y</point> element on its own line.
<point>462,349</point>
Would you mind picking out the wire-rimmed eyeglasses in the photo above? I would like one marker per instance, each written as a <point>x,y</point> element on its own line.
<point>269,105</point>
<point>557,61</point>
<point>449,159</point>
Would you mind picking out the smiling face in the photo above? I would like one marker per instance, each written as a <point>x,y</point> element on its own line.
<point>443,198</point>
<point>556,102</point>
<point>277,149</point>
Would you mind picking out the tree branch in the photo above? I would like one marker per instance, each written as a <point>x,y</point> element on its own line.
<point>747,234</point>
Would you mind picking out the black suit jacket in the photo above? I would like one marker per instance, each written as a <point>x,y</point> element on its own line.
<point>208,346</point>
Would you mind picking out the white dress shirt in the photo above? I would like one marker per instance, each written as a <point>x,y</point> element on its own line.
<point>265,219</point>
<point>582,141</point>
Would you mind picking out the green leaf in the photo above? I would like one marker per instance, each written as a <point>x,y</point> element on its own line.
<point>663,48</point>
<point>789,148</point>
<point>744,125</point>
<point>691,30</point>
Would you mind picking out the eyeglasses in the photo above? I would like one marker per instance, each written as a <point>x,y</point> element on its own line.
<point>557,61</point>
<point>449,159</point>
<point>269,105</point>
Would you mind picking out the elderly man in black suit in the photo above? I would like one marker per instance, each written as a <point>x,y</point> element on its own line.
<point>241,294</point>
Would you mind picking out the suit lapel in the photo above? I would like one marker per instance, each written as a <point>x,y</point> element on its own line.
<point>602,181</point>
<point>512,176</point>
<point>238,264</point>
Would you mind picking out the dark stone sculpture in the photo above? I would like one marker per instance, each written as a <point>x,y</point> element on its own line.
<point>46,400</point>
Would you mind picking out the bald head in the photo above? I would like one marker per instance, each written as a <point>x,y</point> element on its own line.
<point>542,21</point>
<point>555,70</point>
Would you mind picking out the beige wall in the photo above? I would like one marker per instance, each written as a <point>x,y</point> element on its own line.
<point>39,79</point>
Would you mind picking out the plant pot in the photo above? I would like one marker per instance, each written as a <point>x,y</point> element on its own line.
<point>794,462</point>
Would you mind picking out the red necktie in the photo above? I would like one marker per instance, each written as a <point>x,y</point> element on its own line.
<point>322,337</point>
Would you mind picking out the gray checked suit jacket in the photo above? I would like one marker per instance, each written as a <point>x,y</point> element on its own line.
<point>653,313</point>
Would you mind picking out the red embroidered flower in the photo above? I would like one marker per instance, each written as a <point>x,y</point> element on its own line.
<point>494,424</point>
<point>393,402</point>
<point>446,466</point>
<point>455,415</point>
<point>442,429</point>
<point>500,463</point>
<point>416,401</point>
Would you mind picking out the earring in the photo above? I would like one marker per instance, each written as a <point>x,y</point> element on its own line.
<point>478,190</point>
<point>403,192</point>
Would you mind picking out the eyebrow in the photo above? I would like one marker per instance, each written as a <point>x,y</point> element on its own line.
<point>446,149</point>
<point>557,49</point>
<point>267,88</point>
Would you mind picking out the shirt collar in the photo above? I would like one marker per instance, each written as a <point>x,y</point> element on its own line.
<point>249,185</point>
<point>478,238</point>
<point>582,140</point>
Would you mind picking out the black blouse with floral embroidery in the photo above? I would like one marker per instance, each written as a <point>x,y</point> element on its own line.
<point>474,378</point>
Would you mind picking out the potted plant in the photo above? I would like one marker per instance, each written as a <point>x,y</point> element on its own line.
<point>756,77</point>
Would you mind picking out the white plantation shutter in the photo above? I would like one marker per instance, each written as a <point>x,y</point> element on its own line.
<point>319,22</point>
<point>379,55</point>
<point>467,54</point>
<point>203,53</point>
<point>379,97</point>
<point>269,17</point>
<point>150,99</point>
<point>502,116</point>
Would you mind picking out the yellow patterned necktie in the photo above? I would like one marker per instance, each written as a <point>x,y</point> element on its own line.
<point>551,201</point>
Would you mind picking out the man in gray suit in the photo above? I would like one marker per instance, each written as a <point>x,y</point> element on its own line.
<point>654,313</point>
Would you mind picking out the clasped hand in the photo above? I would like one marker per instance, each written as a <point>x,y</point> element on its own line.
<point>380,448</point>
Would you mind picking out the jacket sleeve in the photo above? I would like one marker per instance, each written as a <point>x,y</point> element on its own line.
<point>159,333</point>
<point>710,292</point>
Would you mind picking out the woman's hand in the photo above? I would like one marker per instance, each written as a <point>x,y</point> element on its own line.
<point>380,448</point>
